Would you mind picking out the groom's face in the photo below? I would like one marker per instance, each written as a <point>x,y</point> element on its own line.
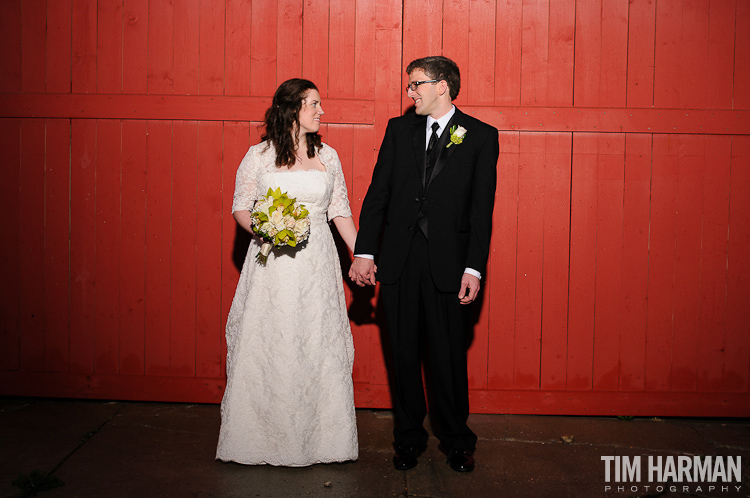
<point>425,97</point>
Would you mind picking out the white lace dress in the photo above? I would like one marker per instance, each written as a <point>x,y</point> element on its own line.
<point>289,398</point>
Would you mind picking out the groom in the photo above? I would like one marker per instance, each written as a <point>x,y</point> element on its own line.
<point>431,197</point>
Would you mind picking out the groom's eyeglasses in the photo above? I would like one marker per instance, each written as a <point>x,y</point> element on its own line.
<point>414,84</point>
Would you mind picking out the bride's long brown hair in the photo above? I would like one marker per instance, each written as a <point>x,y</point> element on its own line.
<point>282,122</point>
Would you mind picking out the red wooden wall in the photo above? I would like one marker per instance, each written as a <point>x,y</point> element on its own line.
<point>619,277</point>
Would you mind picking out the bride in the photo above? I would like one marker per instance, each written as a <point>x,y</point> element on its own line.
<point>289,398</point>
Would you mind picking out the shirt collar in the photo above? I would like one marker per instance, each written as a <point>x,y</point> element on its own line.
<point>442,122</point>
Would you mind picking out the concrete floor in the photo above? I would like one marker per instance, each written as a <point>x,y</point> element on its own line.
<point>124,449</point>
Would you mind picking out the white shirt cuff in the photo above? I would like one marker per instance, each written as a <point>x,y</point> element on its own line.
<point>366,256</point>
<point>472,271</point>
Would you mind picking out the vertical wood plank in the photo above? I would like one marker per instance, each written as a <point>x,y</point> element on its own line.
<point>720,60</point>
<point>83,270</point>
<point>390,66</point>
<point>109,46</point>
<point>555,270</point>
<point>33,46</point>
<point>583,216</point>
<point>56,246</point>
<point>477,354</point>
<point>456,29</point>
<point>132,248</point>
<point>341,48</point>
<point>31,238</point>
<point>84,46</point>
<point>422,29</point>
<point>135,47</point>
<point>713,287</point>
<point>341,137</point>
<point>108,171</point>
<point>508,52</point>
<point>183,249</point>
<point>737,346</point>
<point>560,67</point>
<point>661,279</point>
<point>289,40</point>
<point>742,57</point>
<point>237,54</point>
<point>688,228</point>
<point>186,46</point>
<point>588,57</point>
<point>365,333</point>
<point>601,53</point>
<point>10,252</point>
<point>641,34</point>
<point>610,158</point>
<point>503,254</point>
<point>208,331</point>
<point>315,33</point>
<point>528,318</point>
<point>158,227</point>
<point>10,37</point>
<point>365,49</point>
<point>535,42</point>
<point>614,62</point>
<point>694,54</point>
<point>635,261</point>
<point>480,84</point>
<point>263,42</point>
<point>161,47</point>
<point>236,142</point>
<point>211,48</point>
<point>59,55</point>
<point>422,35</point>
<point>667,54</point>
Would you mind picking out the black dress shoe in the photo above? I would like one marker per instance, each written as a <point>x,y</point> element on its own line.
<point>406,457</point>
<point>461,460</point>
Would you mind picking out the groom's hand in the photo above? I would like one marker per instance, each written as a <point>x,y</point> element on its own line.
<point>469,289</point>
<point>362,271</point>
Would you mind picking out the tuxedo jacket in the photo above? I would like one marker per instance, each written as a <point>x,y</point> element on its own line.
<point>457,200</point>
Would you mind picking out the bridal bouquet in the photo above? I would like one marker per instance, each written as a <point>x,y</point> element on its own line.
<point>280,221</point>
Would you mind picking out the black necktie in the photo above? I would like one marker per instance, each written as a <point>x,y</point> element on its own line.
<point>431,153</point>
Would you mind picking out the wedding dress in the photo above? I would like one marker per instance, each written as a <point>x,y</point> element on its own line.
<point>289,398</point>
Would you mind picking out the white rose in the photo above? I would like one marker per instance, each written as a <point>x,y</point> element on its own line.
<point>301,227</point>
<point>460,132</point>
<point>276,217</point>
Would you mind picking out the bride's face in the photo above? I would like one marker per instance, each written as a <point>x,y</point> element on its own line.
<point>310,113</point>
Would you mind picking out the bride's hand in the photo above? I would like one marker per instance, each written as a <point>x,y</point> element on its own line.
<point>362,271</point>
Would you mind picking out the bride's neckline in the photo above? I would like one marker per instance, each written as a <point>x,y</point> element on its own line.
<point>287,172</point>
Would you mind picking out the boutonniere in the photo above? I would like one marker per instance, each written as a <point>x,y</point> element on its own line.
<point>457,135</point>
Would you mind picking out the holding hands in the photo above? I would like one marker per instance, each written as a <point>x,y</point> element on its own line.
<point>362,271</point>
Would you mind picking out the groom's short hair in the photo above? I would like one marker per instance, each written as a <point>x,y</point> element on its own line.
<point>438,67</point>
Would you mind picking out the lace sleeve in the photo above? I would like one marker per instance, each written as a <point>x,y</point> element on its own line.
<point>339,205</point>
<point>246,184</point>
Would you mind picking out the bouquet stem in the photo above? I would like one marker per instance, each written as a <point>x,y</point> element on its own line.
<point>262,255</point>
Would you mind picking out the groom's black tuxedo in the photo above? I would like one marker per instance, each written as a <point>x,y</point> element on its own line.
<point>457,202</point>
<point>420,274</point>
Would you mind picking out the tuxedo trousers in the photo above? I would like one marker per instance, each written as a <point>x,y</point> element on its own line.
<point>426,323</point>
